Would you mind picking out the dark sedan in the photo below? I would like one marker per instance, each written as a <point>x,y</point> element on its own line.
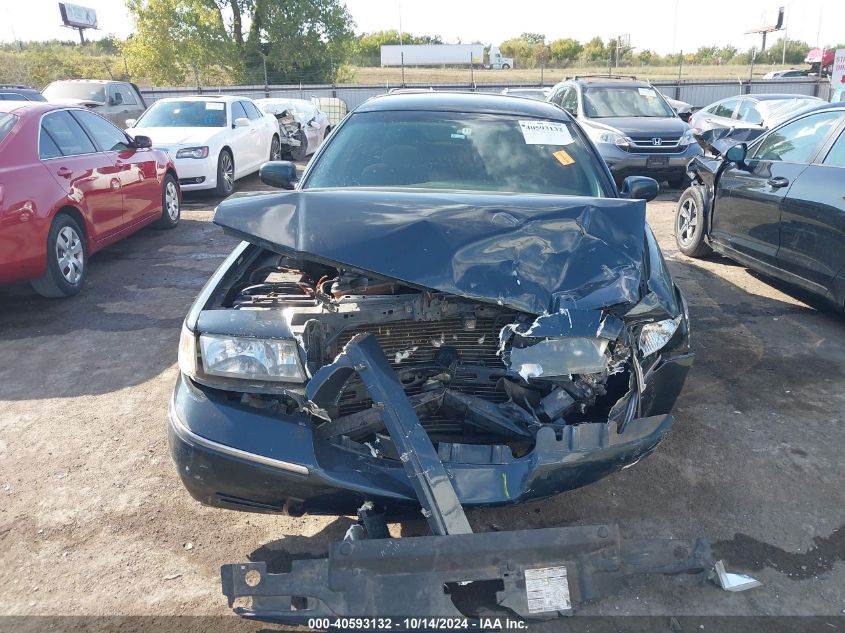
<point>513,321</point>
<point>775,205</point>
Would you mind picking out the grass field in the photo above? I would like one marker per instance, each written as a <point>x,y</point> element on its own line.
<point>393,76</point>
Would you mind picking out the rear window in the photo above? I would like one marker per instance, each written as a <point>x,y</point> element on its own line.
<point>456,150</point>
<point>7,122</point>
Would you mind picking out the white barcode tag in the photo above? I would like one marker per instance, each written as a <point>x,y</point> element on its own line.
<point>547,589</point>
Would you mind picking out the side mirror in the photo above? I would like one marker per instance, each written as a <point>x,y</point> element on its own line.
<point>278,173</point>
<point>313,123</point>
<point>240,122</point>
<point>142,142</point>
<point>117,99</point>
<point>685,116</point>
<point>737,153</point>
<point>131,122</point>
<point>640,188</point>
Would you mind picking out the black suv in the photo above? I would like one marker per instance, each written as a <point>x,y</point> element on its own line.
<point>635,130</point>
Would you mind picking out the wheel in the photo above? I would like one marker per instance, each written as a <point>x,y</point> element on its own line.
<point>171,210</point>
<point>690,224</point>
<point>300,152</point>
<point>679,182</point>
<point>65,272</point>
<point>225,174</point>
<point>506,66</point>
<point>275,148</point>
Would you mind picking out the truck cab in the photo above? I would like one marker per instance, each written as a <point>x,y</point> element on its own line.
<point>497,62</point>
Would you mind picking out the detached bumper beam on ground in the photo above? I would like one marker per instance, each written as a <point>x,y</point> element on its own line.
<point>528,574</point>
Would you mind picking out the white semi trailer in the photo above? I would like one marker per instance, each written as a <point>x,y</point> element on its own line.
<point>442,54</point>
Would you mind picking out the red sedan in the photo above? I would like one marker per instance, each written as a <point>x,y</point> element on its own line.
<point>72,183</point>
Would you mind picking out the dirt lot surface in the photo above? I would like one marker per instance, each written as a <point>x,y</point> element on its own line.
<point>94,520</point>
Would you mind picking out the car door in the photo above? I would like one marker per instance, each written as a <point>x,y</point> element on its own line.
<point>87,175</point>
<point>812,242</point>
<point>261,134</point>
<point>240,140</point>
<point>136,168</point>
<point>747,213</point>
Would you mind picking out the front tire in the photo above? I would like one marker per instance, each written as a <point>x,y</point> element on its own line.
<point>225,174</point>
<point>66,261</point>
<point>690,226</point>
<point>171,209</point>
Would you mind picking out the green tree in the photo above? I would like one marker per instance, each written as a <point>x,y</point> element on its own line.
<point>180,41</point>
<point>304,40</point>
<point>594,51</point>
<point>533,39</point>
<point>565,51</point>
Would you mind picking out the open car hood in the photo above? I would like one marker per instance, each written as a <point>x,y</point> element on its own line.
<point>533,253</point>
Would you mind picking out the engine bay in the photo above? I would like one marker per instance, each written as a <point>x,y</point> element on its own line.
<point>470,368</point>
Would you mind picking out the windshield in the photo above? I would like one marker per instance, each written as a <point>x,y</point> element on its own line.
<point>7,122</point>
<point>624,101</point>
<point>452,150</point>
<point>76,90</point>
<point>188,113</point>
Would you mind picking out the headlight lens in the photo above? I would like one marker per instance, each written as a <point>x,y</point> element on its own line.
<point>193,152</point>
<point>654,336</point>
<point>603,136</point>
<point>251,358</point>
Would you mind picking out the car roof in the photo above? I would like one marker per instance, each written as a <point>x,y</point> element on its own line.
<point>464,102</point>
<point>605,81</point>
<point>88,81</point>
<point>838,106</point>
<point>227,98</point>
<point>772,97</point>
<point>24,108</point>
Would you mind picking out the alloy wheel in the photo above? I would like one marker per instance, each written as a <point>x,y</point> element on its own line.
<point>228,171</point>
<point>171,200</point>
<point>69,255</point>
<point>687,224</point>
<point>275,149</point>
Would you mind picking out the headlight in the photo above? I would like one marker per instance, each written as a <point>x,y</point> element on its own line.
<point>188,352</point>
<point>688,138</point>
<point>193,152</point>
<point>251,358</point>
<point>603,136</point>
<point>654,336</point>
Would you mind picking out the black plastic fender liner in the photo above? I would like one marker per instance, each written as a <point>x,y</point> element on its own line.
<point>541,573</point>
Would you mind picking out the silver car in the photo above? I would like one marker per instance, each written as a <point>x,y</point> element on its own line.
<point>633,127</point>
<point>752,111</point>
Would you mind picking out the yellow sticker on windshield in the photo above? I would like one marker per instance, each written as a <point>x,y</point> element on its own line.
<point>563,157</point>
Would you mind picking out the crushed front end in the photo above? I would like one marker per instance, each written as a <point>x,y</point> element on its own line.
<point>429,352</point>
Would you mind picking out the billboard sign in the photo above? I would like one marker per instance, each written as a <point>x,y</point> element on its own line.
<point>837,73</point>
<point>78,17</point>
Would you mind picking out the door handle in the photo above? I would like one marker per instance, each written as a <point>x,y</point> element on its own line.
<point>778,181</point>
<point>64,172</point>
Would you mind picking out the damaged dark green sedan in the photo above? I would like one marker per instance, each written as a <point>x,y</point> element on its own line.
<point>454,308</point>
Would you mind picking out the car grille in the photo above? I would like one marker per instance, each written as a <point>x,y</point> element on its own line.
<point>474,348</point>
<point>645,145</point>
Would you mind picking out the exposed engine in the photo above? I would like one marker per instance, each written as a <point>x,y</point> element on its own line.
<point>472,370</point>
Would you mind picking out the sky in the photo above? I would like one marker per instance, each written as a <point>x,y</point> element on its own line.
<point>651,24</point>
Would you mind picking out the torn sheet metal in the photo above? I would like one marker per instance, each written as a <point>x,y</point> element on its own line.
<point>534,253</point>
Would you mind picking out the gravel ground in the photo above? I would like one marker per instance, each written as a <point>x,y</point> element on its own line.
<point>94,521</point>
